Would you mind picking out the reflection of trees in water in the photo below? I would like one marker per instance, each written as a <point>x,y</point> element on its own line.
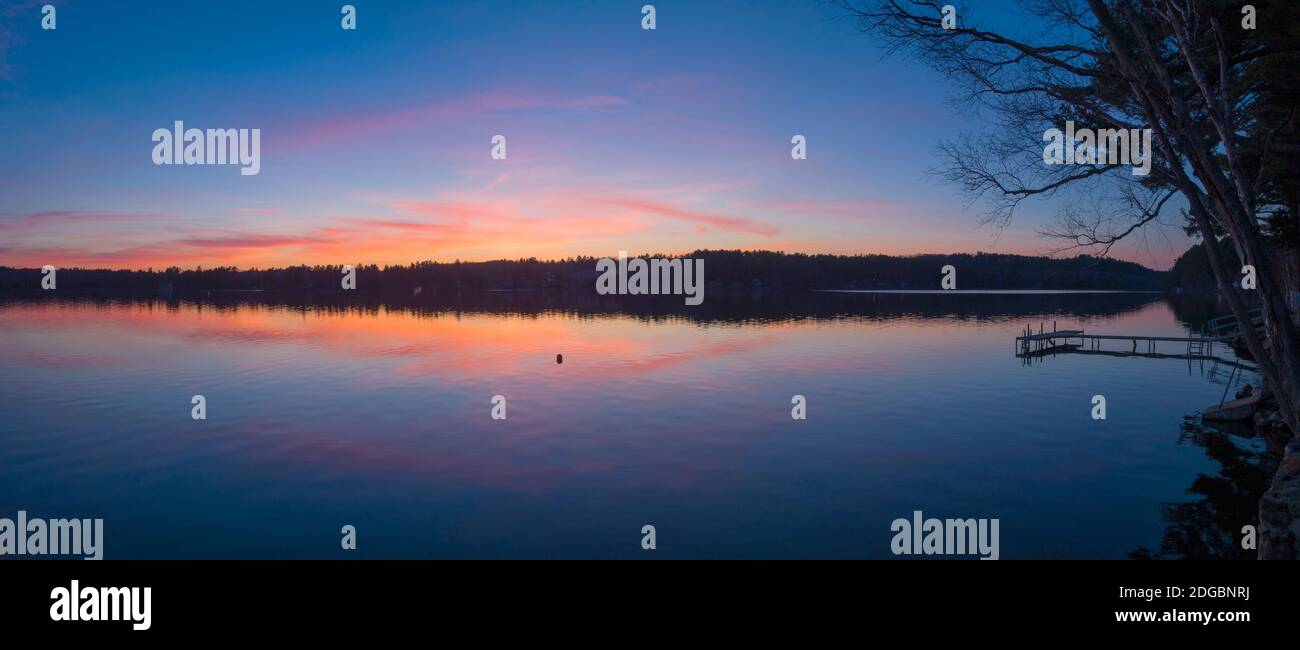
<point>1193,310</point>
<point>722,307</point>
<point>1209,528</point>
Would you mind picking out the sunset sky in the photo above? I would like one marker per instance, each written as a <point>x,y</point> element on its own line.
<point>375,142</point>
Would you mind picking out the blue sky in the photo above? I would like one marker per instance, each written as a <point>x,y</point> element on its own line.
<point>375,142</point>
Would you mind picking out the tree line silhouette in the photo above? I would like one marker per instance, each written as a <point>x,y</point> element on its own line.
<point>730,269</point>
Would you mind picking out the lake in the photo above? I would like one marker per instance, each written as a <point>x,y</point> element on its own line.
<point>375,412</point>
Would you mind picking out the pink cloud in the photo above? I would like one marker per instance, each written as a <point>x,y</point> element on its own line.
<point>56,218</point>
<point>815,207</point>
<point>730,224</point>
<point>248,241</point>
<point>465,226</point>
<point>74,256</point>
<point>341,127</point>
<point>595,102</point>
<point>459,210</point>
<point>255,212</point>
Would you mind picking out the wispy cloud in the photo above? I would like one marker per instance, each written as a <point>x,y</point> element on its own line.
<point>248,241</point>
<point>672,82</point>
<point>255,212</point>
<point>475,105</point>
<point>826,208</point>
<point>53,219</point>
<point>705,219</point>
<point>554,222</point>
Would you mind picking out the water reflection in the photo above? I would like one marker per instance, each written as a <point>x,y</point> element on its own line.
<point>373,410</point>
<point>760,307</point>
<point>1209,527</point>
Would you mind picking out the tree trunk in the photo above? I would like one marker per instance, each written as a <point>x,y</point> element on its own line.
<point>1184,145</point>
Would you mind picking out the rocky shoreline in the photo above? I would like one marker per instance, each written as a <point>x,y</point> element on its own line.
<point>1279,508</point>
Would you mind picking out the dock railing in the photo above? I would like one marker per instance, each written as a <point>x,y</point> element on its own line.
<point>1225,327</point>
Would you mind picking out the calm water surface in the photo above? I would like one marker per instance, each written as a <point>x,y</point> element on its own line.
<point>376,414</point>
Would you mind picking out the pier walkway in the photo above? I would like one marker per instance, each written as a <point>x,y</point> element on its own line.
<point>1044,343</point>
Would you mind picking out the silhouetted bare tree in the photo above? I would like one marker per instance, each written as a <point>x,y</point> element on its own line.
<point>1189,70</point>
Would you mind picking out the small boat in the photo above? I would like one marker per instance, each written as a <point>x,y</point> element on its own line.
<point>1236,410</point>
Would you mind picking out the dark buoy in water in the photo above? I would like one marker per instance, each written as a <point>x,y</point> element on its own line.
<point>559,358</point>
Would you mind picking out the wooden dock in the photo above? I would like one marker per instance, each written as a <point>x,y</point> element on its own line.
<point>1044,343</point>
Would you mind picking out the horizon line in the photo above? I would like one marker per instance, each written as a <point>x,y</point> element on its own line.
<point>574,258</point>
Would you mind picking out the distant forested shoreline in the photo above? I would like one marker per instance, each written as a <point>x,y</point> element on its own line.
<point>725,268</point>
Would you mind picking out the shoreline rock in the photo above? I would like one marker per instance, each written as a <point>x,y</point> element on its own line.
<point>1279,509</point>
